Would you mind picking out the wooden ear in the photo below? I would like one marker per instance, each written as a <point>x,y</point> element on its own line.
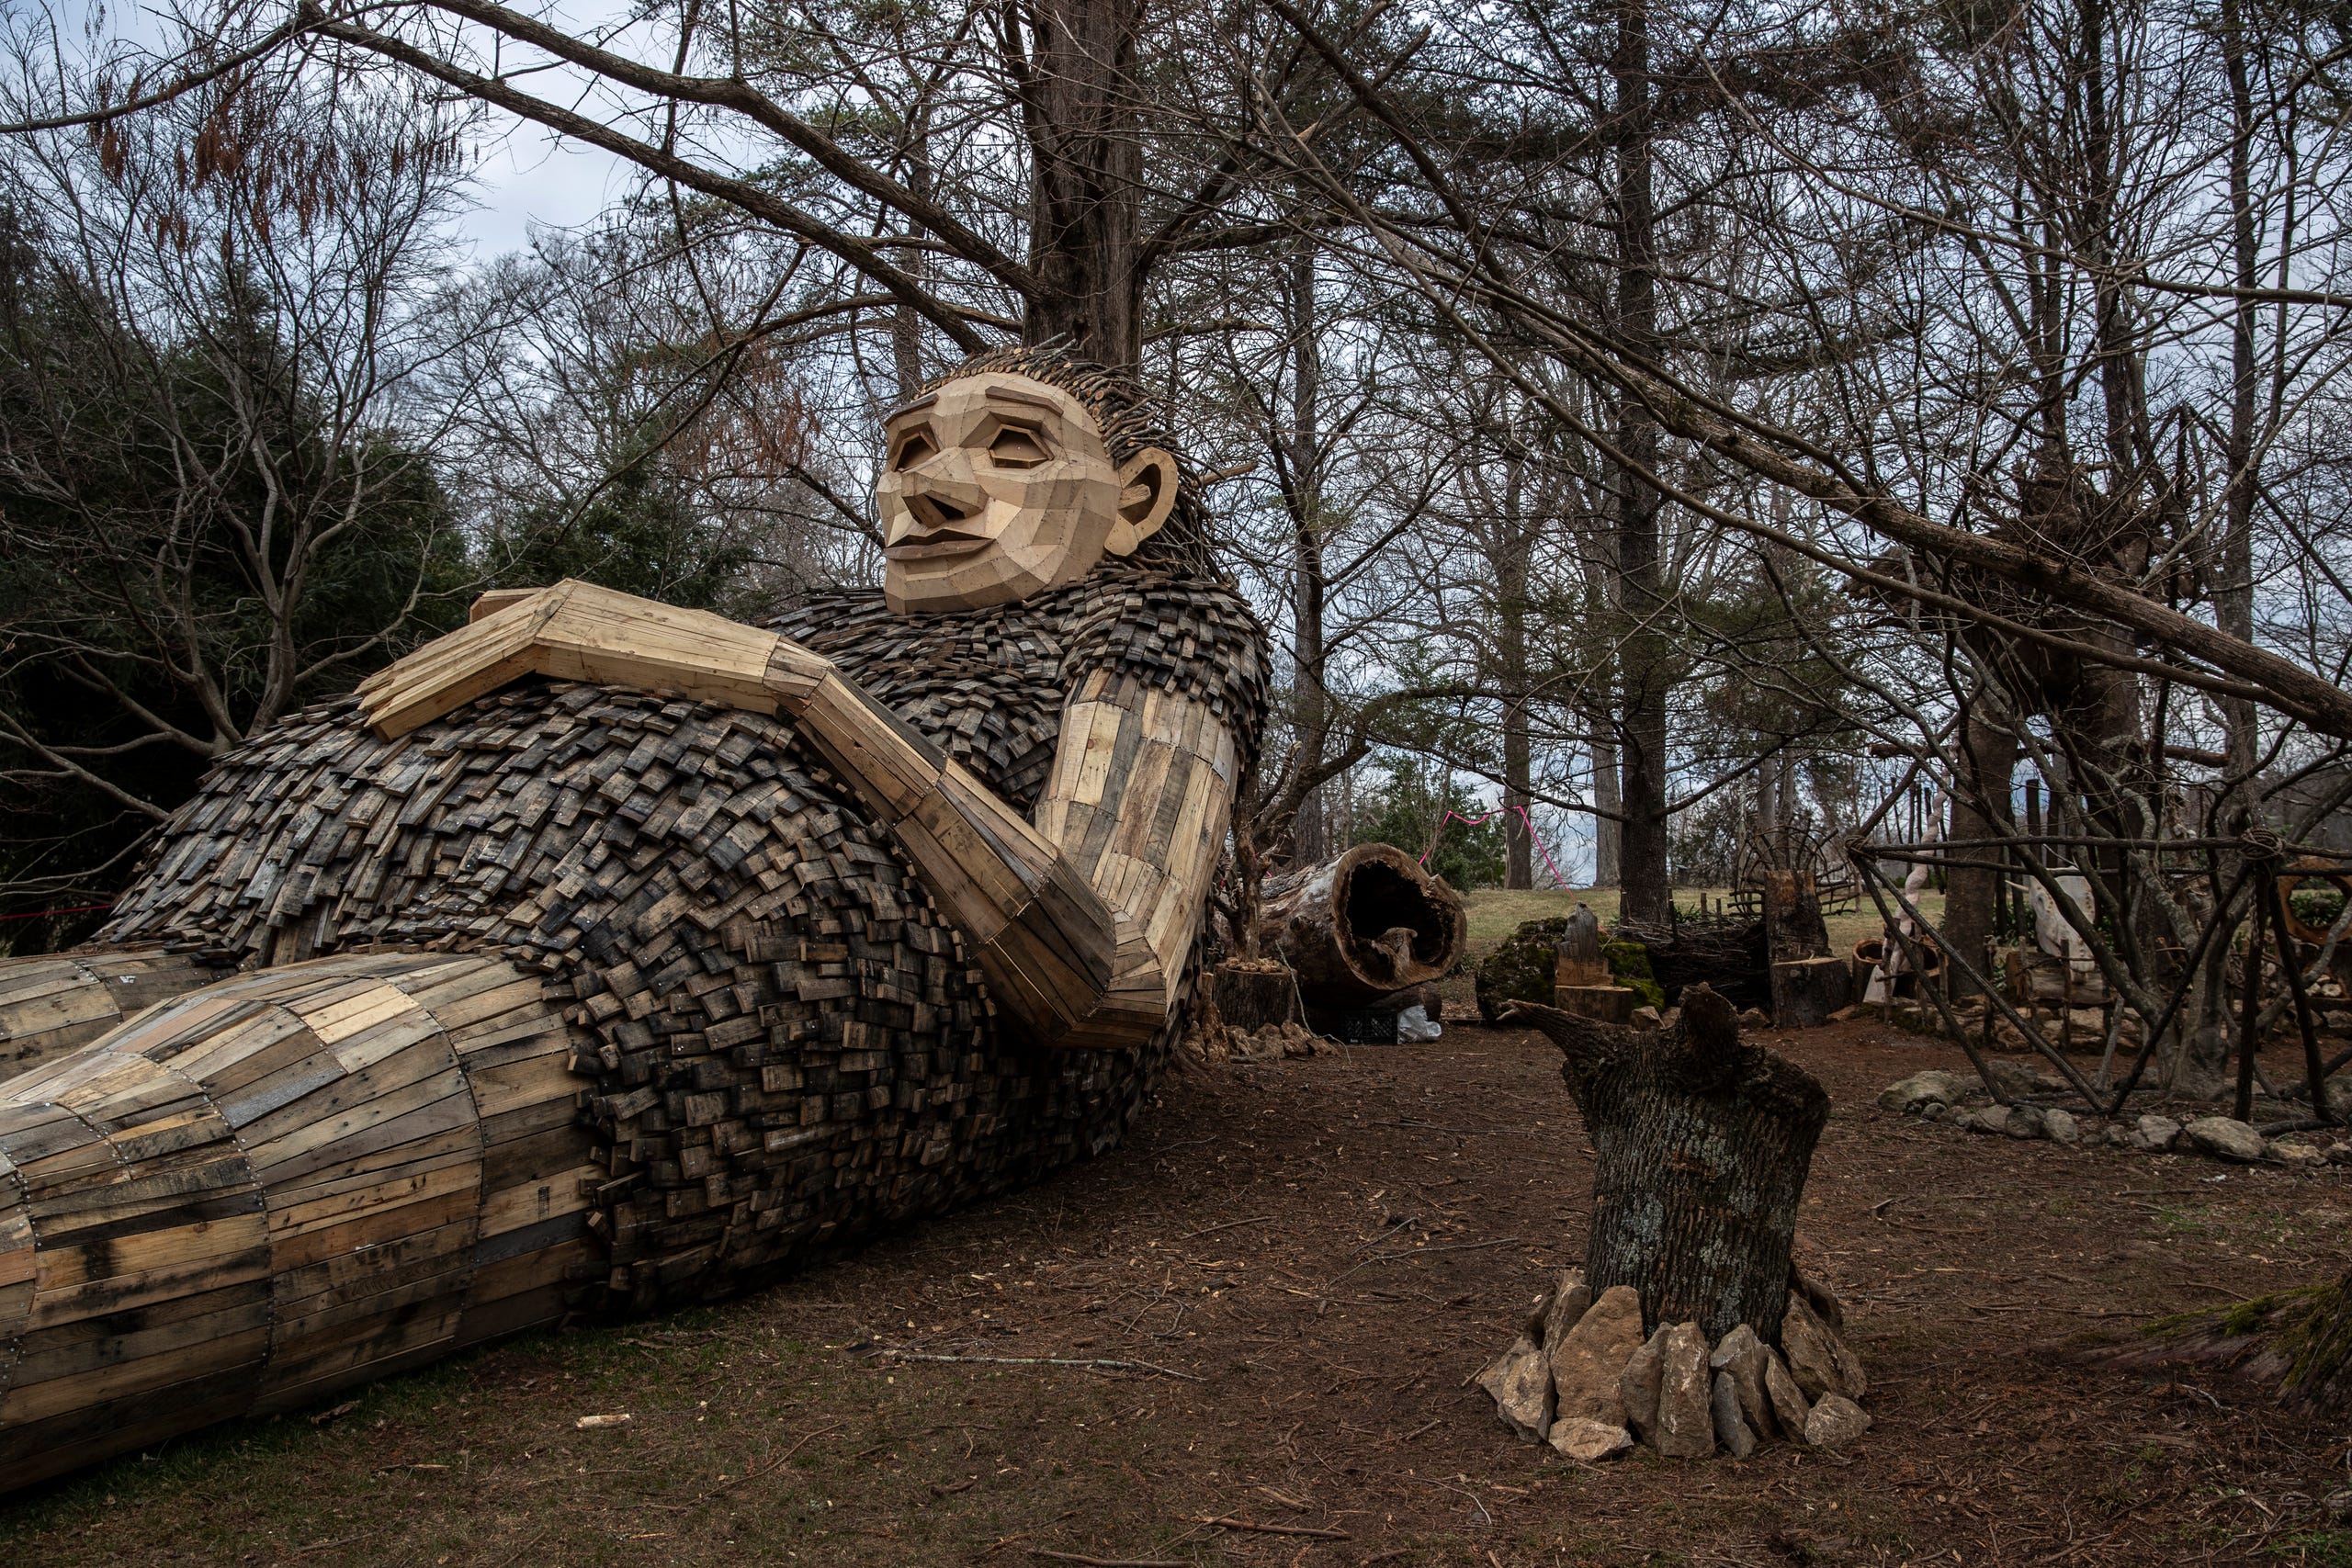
<point>1146,495</point>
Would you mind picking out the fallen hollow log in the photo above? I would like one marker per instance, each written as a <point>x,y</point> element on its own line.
<point>1356,929</point>
<point>1704,1143</point>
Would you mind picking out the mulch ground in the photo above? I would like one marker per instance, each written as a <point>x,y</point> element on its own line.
<point>1326,1252</point>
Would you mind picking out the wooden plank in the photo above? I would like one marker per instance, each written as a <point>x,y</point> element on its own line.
<point>535,1080</point>
<point>388,1193</point>
<point>38,1450</point>
<point>27,1402</point>
<point>529,1202</point>
<point>95,1344</point>
<point>352,1106</point>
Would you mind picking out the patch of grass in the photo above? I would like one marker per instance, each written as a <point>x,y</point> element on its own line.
<point>2315,1548</point>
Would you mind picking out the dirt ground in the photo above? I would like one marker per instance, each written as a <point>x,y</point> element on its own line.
<point>1322,1255</point>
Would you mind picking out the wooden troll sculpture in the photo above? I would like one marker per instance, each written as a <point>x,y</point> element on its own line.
<point>603,955</point>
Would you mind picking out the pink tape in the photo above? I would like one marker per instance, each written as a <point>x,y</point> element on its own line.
<point>1453,816</point>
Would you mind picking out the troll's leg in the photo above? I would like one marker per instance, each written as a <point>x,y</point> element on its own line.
<point>58,1001</point>
<point>275,1186</point>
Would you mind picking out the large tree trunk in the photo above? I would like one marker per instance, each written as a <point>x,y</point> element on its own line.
<point>1608,829</point>
<point>1303,494</point>
<point>1648,894</point>
<point>1704,1145</point>
<point>1361,926</point>
<point>1078,99</point>
<point>1513,537</point>
<point>1988,754</point>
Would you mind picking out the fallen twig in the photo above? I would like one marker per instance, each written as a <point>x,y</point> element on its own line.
<point>1103,1364</point>
<point>1232,1524</point>
<point>1086,1562</point>
<point>1225,1225</point>
<point>769,1468</point>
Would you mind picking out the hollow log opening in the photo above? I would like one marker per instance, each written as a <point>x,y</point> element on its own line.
<point>1365,926</point>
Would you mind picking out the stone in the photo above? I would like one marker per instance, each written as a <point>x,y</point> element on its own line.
<point>1992,1119</point>
<point>1934,1111</point>
<point>1740,1358</point>
<point>2061,1127</point>
<point>2119,1135</point>
<point>1819,1360</point>
<point>1589,1440</point>
<point>1933,1086</point>
<point>1755,1018</point>
<point>1569,1298</point>
<point>1789,1406</point>
<point>1521,1383</point>
<point>2025,1121</point>
<point>1638,1387</point>
<point>1686,1415</point>
<point>1835,1422</point>
<point>2156,1134</point>
<point>2015,1078</point>
<point>1592,1356</point>
<point>2299,1156</point>
<point>1259,1046</point>
<point>1732,1430</point>
<point>2226,1138</point>
<point>2339,1154</point>
<point>1648,1019</point>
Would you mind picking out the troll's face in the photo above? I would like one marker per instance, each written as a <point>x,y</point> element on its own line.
<point>998,486</point>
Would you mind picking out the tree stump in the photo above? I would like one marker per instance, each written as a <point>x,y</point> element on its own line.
<point>1805,991</point>
<point>1251,993</point>
<point>1578,960</point>
<point>1704,1145</point>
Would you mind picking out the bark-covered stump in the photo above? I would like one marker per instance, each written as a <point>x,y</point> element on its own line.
<point>1704,1143</point>
<point>1805,991</point>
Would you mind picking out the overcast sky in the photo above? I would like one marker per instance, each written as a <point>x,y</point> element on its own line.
<point>527,177</point>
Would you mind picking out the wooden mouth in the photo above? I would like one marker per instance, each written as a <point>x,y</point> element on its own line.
<point>933,549</point>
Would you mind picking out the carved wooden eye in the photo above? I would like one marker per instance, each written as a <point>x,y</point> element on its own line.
<point>913,447</point>
<point>1016,448</point>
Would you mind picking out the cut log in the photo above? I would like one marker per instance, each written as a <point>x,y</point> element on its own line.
<point>1727,956</point>
<point>1805,991</point>
<point>1604,1004</point>
<point>1253,994</point>
<point>1359,927</point>
<point>1705,1144</point>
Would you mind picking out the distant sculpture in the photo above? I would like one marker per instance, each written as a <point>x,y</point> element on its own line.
<point>603,955</point>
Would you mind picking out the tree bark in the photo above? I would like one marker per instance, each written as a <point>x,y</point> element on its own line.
<point>1704,1145</point>
<point>1512,537</point>
<point>1608,829</point>
<point>1988,753</point>
<point>1078,101</point>
<point>1361,926</point>
<point>1309,585</point>
<point>1643,764</point>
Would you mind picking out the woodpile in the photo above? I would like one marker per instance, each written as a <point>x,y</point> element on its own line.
<point>1362,928</point>
<point>1690,1308</point>
<point>743,1029</point>
<point>1729,957</point>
